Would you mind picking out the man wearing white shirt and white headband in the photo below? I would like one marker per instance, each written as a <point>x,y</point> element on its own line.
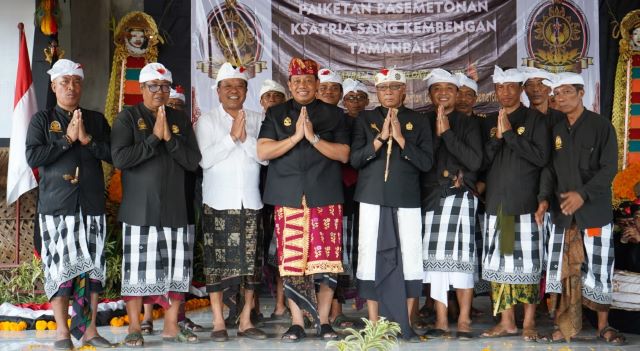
<point>515,154</point>
<point>231,199</point>
<point>67,144</point>
<point>576,187</point>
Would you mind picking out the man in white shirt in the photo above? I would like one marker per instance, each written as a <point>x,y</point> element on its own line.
<point>231,199</point>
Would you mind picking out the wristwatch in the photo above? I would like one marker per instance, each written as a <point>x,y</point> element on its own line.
<point>316,139</point>
<point>379,138</point>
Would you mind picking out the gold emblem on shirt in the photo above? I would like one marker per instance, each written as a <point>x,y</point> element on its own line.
<point>375,127</point>
<point>493,132</point>
<point>409,126</point>
<point>141,124</point>
<point>445,173</point>
<point>175,129</point>
<point>55,127</point>
<point>558,142</point>
<point>287,121</point>
<point>520,130</point>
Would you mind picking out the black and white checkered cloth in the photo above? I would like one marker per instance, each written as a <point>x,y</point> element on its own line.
<point>156,260</point>
<point>525,265</point>
<point>72,245</point>
<point>597,269</point>
<point>449,239</point>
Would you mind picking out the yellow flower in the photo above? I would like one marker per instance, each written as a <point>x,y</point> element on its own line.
<point>51,325</point>
<point>41,325</point>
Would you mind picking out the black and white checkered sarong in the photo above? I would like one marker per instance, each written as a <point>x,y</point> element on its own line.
<point>597,268</point>
<point>449,239</point>
<point>72,245</point>
<point>525,265</point>
<point>156,260</point>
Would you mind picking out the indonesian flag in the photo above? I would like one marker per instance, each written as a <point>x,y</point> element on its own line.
<point>20,178</point>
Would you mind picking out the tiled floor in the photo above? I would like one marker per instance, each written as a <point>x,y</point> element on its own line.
<point>39,340</point>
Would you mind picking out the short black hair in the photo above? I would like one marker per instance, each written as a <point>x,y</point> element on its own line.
<point>579,87</point>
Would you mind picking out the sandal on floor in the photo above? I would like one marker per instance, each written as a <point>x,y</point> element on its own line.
<point>437,333</point>
<point>189,325</point>
<point>497,333</point>
<point>252,333</point>
<point>284,316</point>
<point>99,342</point>
<point>146,327</point>
<point>548,338</point>
<point>343,322</point>
<point>134,340</point>
<point>64,344</point>
<point>530,335</point>
<point>464,336</point>
<point>617,338</point>
<point>184,336</point>
<point>327,332</point>
<point>295,333</point>
<point>219,335</point>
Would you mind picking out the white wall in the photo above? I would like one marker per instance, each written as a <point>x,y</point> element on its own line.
<point>13,11</point>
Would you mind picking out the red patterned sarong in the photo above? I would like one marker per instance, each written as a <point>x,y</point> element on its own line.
<point>309,239</point>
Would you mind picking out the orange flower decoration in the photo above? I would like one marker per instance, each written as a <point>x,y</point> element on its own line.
<point>625,181</point>
<point>115,187</point>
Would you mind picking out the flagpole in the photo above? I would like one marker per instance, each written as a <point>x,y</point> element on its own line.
<point>17,259</point>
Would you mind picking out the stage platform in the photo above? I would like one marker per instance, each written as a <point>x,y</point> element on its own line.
<point>32,340</point>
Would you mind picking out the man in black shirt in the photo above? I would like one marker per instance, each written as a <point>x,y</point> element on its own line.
<point>305,140</point>
<point>391,147</point>
<point>576,187</point>
<point>155,146</point>
<point>449,251</point>
<point>515,154</point>
<point>67,144</point>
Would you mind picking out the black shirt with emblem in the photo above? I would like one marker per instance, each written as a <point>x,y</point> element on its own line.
<point>515,162</point>
<point>585,160</point>
<point>303,170</point>
<point>153,171</point>
<point>402,188</point>
<point>48,150</point>
<point>458,152</point>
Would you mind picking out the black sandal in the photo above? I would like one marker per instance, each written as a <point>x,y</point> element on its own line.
<point>295,333</point>
<point>327,332</point>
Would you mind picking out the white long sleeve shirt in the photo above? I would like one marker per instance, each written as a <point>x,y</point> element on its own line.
<point>231,170</point>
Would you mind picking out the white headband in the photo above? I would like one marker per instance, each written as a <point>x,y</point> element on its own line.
<point>227,71</point>
<point>271,85</point>
<point>350,85</point>
<point>390,75</point>
<point>511,75</point>
<point>64,67</point>
<point>439,75</point>
<point>464,81</point>
<point>154,71</point>
<point>326,75</point>
<point>564,78</point>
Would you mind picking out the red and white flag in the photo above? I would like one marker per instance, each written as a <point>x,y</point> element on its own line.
<point>20,178</point>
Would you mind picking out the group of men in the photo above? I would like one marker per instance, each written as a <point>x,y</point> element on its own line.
<point>389,195</point>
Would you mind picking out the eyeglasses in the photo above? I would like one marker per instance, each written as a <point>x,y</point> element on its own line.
<point>392,87</point>
<point>154,88</point>
<point>355,98</point>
